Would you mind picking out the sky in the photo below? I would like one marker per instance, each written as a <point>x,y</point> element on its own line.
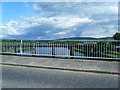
<point>53,20</point>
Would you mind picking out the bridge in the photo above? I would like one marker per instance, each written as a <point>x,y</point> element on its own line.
<point>76,72</point>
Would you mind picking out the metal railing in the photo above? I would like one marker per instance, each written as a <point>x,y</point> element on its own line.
<point>107,49</point>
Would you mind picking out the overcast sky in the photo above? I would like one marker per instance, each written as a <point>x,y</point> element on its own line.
<point>52,20</point>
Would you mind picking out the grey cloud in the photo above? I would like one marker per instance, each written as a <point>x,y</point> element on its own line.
<point>77,8</point>
<point>102,19</point>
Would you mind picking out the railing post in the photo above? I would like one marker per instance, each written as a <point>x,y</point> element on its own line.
<point>34,49</point>
<point>13,48</point>
<point>21,52</point>
<point>53,50</point>
<point>71,49</point>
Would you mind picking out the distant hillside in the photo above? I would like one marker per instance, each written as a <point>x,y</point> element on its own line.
<point>86,38</point>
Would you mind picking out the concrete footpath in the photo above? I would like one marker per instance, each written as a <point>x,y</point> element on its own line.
<point>83,65</point>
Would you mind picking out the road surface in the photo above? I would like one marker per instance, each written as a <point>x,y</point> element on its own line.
<point>26,77</point>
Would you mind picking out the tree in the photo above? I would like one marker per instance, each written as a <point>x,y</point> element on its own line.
<point>116,36</point>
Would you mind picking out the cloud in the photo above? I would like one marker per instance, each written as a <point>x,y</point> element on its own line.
<point>42,26</point>
<point>60,33</point>
<point>10,28</point>
<point>60,20</point>
<point>76,8</point>
<point>101,32</point>
<point>1,36</point>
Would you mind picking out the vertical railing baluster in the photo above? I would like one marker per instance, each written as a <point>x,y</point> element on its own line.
<point>42,48</point>
<point>110,49</point>
<point>50,48</point>
<point>10,44</point>
<point>29,47</point>
<point>33,48</point>
<point>26,50</point>
<point>7,46</point>
<point>105,51</point>
<point>86,47</point>
<point>47,48</point>
<point>37,48</point>
<point>17,46</point>
<point>75,53</point>
<point>81,48</point>
<point>58,49</point>
<point>75,49</point>
<point>53,50</point>
<point>95,49</point>
<point>89,43</point>
<point>13,50</point>
<point>23,47</point>
<point>62,48</point>
<point>3,43</point>
<point>21,52</point>
<point>99,49</point>
<point>67,48</point>
<point>116,48</point>
<point>79,54</point>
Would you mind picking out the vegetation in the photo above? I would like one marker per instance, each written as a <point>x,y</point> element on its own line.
<point>100,49</point>
<point>116,36</point>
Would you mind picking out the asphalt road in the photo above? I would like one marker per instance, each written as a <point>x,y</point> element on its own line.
<point>24,77</point>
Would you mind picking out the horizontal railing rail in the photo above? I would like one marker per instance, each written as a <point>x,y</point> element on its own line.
<point>104,49</point>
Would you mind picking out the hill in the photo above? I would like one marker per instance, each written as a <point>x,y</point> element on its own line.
<point>86,38</point>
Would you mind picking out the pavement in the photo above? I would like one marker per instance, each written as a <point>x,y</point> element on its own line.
<point>82,65</point>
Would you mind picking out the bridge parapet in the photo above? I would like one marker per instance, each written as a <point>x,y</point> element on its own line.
<point>107,49</point>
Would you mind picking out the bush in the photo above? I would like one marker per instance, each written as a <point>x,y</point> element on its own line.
<point>116,36</point>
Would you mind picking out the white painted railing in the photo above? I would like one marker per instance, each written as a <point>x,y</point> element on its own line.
<point>107,49</point>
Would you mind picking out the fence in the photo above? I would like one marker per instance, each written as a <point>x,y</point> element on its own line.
<point>63,48</point>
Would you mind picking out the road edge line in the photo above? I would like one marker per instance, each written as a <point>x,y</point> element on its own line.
<point>59,68</point>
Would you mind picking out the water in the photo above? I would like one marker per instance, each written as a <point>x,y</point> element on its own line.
<point>59,51</point>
